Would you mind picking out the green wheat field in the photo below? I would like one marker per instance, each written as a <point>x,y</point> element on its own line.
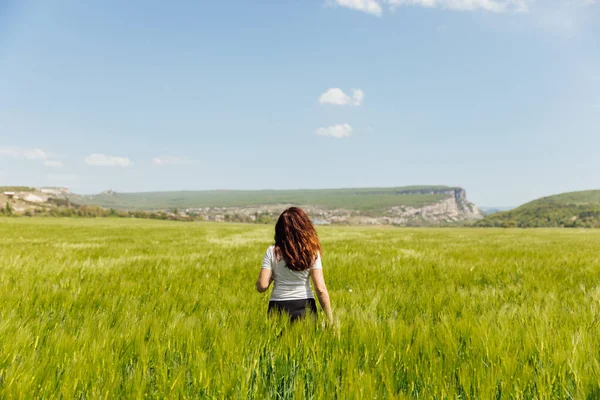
<point>104,309</point>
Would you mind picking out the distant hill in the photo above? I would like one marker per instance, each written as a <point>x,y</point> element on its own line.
<point>412,205</point>
<point>364,199</point>
<point>575,209</point>
<point>56,202</point>
<point>23,199</point>
<point>492,210</point>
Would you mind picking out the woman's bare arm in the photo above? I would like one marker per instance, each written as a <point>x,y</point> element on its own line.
<point>322,293</point>
<point>264,280</point>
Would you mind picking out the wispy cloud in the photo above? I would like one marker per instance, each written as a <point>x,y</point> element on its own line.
<point>336,131</point>
<point>336,96</point>
<point>375,7</point>
<point>102,160</point>
<point>564,17</point>
<point>367,6</point>
<point>53,163</point>
<point>33,154</point>
<point>497,6</point>
<point>169,160</point>
<point>25,153</point>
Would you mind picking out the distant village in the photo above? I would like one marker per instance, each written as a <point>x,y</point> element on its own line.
<point>61,202</point>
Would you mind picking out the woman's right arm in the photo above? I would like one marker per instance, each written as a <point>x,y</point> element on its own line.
<point>319,284</point>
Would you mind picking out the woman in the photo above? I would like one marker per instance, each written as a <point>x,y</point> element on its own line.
<point>295,257</point>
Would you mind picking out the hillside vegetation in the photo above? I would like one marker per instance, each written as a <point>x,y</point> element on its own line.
<point>403,206</point>
<point>120,309</point>
<point>573,210</point>
<point>15,189</point>
<point>365,199</point>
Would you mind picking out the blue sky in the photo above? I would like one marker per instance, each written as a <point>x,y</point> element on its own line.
<point>501,97</point>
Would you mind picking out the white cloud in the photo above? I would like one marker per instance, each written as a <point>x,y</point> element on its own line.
<point>168,160</point>
<point>336,131</point>
<point>336,96</point>
<point>102,160</point>
<point>498,6</point>
<point>12,152</point>
<point>35,154</point>
<point>53,163</point>
<point>26,153</point>
<point>358,96</point>
<point>366,6</point>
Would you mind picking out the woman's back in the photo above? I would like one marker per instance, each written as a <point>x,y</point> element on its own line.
<point>288,284</point>
<point>291,263</point>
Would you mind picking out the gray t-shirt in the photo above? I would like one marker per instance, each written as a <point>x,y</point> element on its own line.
<point>289,284</point>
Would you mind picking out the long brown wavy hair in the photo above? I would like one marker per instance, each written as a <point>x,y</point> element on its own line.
<point>296,240</point>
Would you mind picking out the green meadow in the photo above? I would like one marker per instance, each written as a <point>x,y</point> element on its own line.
<point>105,309</point>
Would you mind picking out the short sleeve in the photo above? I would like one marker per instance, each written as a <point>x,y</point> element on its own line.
<point>317,264</point>
<point>267,260</point>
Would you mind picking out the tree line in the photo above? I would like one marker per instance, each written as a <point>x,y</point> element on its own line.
<point>64,209</point>
<point>546,216</point>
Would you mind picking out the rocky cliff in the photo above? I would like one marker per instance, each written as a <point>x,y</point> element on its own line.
<point>453,208</point>
<point>25,200</point>
<point>408,206</point>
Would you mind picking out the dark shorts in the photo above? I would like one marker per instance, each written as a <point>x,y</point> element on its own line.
<point>296,309</point>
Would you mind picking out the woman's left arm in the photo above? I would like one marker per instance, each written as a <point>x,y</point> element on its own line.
<point>264,280</point>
